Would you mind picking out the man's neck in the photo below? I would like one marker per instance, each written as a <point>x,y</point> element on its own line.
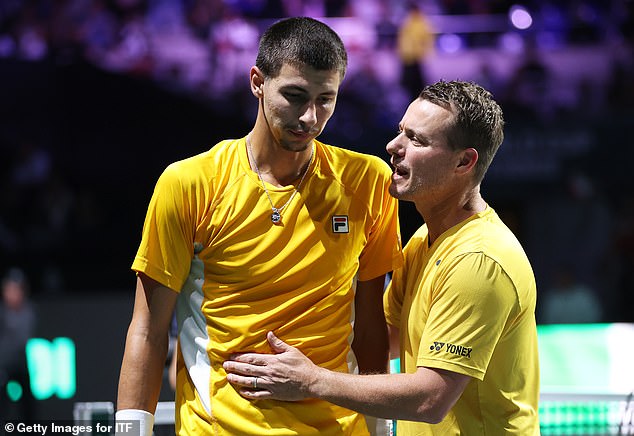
<point>276,165</point>
<point>444,215</point>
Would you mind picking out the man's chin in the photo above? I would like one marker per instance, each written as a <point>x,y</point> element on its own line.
<point>403,193</point>
<point>394,192</point>
<point>297,147</point>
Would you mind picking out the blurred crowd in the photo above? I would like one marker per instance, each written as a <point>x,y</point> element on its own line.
<point>203,46</point>
<point>98,96</point>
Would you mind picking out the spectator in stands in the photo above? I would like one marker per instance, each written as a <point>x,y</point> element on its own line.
<point>17,325</point>
<point>528,93</point>
<point>415,43</point>
<point>569,301</point>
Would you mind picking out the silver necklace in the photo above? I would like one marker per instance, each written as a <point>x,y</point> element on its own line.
<point>276,215</point>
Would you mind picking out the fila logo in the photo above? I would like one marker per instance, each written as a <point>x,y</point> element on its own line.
<point>458,350</point>
<point>340,224</point>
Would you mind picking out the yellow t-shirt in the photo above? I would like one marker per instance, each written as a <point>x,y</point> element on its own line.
<point>467,304</point>
<point>208,234</point>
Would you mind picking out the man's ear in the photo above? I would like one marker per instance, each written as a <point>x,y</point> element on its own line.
<point>257,82</point>
<point>468,159</point>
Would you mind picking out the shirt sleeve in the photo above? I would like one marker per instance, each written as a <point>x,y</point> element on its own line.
<point>394,295</point>
<point>383,252</point>
<point>393,300</point>
<point>166,247</point>
<point>472,302</point>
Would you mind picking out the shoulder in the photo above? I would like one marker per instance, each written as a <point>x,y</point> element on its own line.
<point>203,167</point>
<point>418,240</point>
<point>350,157</point>
<point>348,165</point>
<point>416,247</point>
<point>485,232</point>
<point>487,245</point>
<point>484,239</point>
<point>222,150</point>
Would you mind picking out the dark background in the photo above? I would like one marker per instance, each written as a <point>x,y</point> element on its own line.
<point>83,139</point>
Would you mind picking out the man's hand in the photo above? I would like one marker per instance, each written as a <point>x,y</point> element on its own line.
<point>286,375</point>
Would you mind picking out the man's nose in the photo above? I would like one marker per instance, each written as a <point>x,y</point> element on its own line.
<point>394,147</point>
<point>309,116</point>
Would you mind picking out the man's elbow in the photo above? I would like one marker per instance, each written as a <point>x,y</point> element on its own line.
<point>440,395</point>
<point>143,333</point>
<point>435,417</point>
<point>432,412</point>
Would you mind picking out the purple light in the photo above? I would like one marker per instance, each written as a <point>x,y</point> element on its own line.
<point>511,42</point>
<point>450,43</point>
<point>520,17</point>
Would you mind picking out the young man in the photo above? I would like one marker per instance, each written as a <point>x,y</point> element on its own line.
<point>462,307</point>
<point>272,231</point>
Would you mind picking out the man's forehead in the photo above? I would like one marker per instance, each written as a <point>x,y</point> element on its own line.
<point>304,76</point>
<point>424,116</point>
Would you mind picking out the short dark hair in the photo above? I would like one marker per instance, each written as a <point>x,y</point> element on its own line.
<point>301,41</point>
<point>478,122</point>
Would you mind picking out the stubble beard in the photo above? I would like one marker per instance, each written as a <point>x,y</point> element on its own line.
<point>294,148</point>
<point>408,191</point>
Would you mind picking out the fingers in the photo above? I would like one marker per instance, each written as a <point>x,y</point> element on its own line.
<point>252,388</point>
<point>277,345</point>
<point>246,382</point>
<point>266,376</point>
<point>254,359</point>
<point>255,395</point>
<point>251,360</point>
<point>246,369</point>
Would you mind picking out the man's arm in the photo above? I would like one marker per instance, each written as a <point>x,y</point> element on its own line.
<point>370,344</point>
<point>427,395</point>
<point>146,346</point>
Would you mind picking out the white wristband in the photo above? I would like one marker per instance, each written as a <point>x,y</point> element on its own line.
<point>144,418</point>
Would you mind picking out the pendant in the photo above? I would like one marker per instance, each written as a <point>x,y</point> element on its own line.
<point>275,216</point>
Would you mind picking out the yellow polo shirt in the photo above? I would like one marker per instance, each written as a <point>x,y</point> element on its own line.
<point>208,234</point>
<point>467,304</point>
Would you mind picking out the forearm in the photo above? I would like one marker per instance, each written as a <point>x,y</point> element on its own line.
<point>392,396</point>
<point>426,395</point>
<point>141,370</point>
<point>370,344</point>
<point>372,350</point>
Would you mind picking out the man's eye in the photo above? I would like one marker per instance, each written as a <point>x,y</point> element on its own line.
<point>294,97</point>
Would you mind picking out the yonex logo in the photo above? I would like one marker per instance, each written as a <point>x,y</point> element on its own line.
<point>340,224</point>
<point>437,346</point>
<point>458,350</point>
